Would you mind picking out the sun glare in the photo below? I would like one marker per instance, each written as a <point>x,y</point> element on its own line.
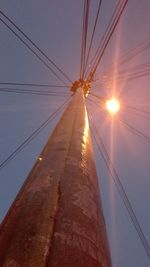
<point>112,105</point>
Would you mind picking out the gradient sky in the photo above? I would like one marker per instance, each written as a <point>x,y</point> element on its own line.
<point>56,26</point>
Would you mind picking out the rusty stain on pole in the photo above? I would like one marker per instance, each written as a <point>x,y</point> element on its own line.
<point>57,220</point>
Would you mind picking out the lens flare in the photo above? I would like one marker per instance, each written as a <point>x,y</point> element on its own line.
<point>112,105</point>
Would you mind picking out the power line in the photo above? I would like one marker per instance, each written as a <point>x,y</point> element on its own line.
<point>25,43</point>
<point>107,36</point>
<point>37,47</point>
<point>93,32</point>
<point>102,149</point>
<point>138,68</point>
<point>134,130</point>
<point>82,44</point>
<point>102,99</point>
<point>105,33</point>
<point>143,113</point>
<point>84,37</point>
<point>130,74</point>
<point>32,136</point>
<point>34,84</point>
<point>33,92</point>
<point>131,128</point>
<point>138,110</point>
<point>134,76</point>
<point>91,100</point>
<point>129,55</point>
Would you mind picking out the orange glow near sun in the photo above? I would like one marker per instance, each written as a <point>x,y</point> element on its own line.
<point>112,106</point>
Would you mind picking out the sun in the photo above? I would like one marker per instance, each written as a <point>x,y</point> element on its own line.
<point>112,106</point>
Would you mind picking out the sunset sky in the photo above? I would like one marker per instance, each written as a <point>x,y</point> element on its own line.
<point>56,27</point>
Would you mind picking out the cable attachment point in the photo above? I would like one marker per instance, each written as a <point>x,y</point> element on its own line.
<point>85,85</point>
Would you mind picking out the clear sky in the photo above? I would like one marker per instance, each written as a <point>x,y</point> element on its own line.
<point>56,26</point>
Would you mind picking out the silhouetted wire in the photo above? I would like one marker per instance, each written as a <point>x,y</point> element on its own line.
<point>33,135</point>
<point>130,74</point>
<point>143,113</point>
<point>34,85</point>
<point>138,110</point>
<point>128,126</point>
<point>105,33</point>
<point>133,76</point>
<point>129,55</point>
<point>138,114</point>
<point>102,99</point>
<point>102,149</point>
<point>33,92</point>
<point>92,101</point>
<point>93,33</point>
<point>109,34</point>
<point>84,36</point>
<point>107,37</point>
<point>35,53</point>
<point>37,47</point>
<point>102,42</point>
<point>137,68</point>
<point>133,130</point>
<point>82,41</point>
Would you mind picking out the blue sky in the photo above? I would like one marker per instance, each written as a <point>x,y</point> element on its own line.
<point>56,26</point>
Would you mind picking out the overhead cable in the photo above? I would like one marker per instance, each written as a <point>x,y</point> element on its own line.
<point>32,136</point>
<point>84,37</point>
<point>34,84</point>
<point>108,34</point>
<point>32,50</point>
<point>93,33</point>
<point>34,92</point>
<point>102,149</point>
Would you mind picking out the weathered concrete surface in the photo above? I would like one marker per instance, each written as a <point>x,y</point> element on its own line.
<point>56,219</point>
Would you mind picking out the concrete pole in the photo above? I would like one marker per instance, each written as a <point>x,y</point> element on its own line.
<point>57,220</point>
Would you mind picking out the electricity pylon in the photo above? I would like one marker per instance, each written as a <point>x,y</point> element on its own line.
<point>56,219</point>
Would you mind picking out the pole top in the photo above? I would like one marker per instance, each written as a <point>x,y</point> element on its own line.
<point>85,85</point>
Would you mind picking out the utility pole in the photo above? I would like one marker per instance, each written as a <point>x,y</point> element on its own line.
<point>57,220</point>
